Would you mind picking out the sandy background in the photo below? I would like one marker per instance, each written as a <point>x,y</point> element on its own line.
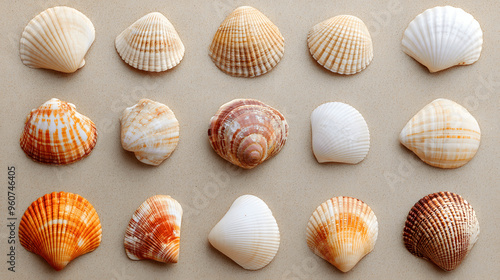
<point>388,93</point>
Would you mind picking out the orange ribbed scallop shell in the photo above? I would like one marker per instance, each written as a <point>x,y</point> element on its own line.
<point>441,227</point>
<point>342,231</point>
<point>154,231</point>
<point>60,227</point>
<point>56,133</point>
<point>247,132</point>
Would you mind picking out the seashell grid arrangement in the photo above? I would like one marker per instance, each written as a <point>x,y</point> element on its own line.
<point>442,227</point>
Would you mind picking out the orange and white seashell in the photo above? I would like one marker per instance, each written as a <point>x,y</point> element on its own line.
<point>57,39</point>
<point>248,233</point>
<point>443,134</point>
<point>247,132</point>
<point>150,130</point>
<point>342,231</point>
<point>150,44</point>
<point>60,227</point>
<point>247,44</point>
<point>154,231</point>
<point>443,37</point>
<point>341,44</point>
<point>441,227</point>
<point>56,133</point>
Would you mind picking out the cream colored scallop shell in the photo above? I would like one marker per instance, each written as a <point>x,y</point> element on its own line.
<point>339,133</point>
<point>150,130</point>
<point>341,44</point>
<point>248,233</point>
<point>441,227</point>
<point>247,44</point>
<point>57,39</point>
<point>443,37</point>
<point>443,134</point>
<point>150,44</point>
<point>342,231</point>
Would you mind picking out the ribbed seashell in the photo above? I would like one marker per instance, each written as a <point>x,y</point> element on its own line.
<point>248,233</point>
<point>247,132</point>
<point>150,44</point>
<point>443,37</point>
<point>154,232</point>
<point>443,134</point>
<point>56,133</point>
<point>441,227</point>
<point>339,133</point>
<point>57,39</point>
<point>150,130</point>
<point>247,44</point>
<point>60,227</point>
<point>342,231</point>
<point>341,44</point>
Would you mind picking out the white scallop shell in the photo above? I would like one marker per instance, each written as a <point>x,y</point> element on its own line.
<point>443,37</point>
<point>57,39</point>
<point>339,134</point>
<point>248,233</point>
<point>443,134</point>
<point>150,44</point>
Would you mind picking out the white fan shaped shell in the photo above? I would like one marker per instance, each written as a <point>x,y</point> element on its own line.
<point>57,39</point>
<point>339,133</point>
<point>443,37</point>
<point>150,44</point>
<point>248,233</point>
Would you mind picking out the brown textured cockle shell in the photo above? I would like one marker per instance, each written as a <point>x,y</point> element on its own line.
<point>60,227</point>
<point>154,231</point>
<point>247,132</point>
<point>56,133</point>
<point>441,227</point>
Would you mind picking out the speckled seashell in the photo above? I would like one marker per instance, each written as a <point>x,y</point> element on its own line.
<point>342,231</point>
<point>341,44</point>
<point>56,133</point>
<point>339,133</point>
<point>60,227</point>
<point>441,227</point>
<point>443,37</point>
<point>150,130</point>
<point>154,231</point>
<point>248,233</point>
<point>57,39</point>
<point>443,134</point>
<point>247,132</point>
<point>150,44</point>
<point>247,44</point>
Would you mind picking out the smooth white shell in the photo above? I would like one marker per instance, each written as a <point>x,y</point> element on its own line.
<point>57,39</point>
<point>150,44</point>
<point>248,233</point>
<point>443,134</point>
<point>443,37</point>
<point>339,134</point>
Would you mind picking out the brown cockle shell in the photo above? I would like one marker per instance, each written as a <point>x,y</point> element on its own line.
<point>60,227</point>
<point>342,231</point>
<point>56,133</point>
<point>441,227</point>
<point>246,132</point>
<point>247,44</point>
<point>154,231</point>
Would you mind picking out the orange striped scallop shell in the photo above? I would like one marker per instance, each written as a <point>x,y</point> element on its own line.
<point>154,231</point>
<point>60,227</point>
<point>342,231</point>
<point>56,133</point>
